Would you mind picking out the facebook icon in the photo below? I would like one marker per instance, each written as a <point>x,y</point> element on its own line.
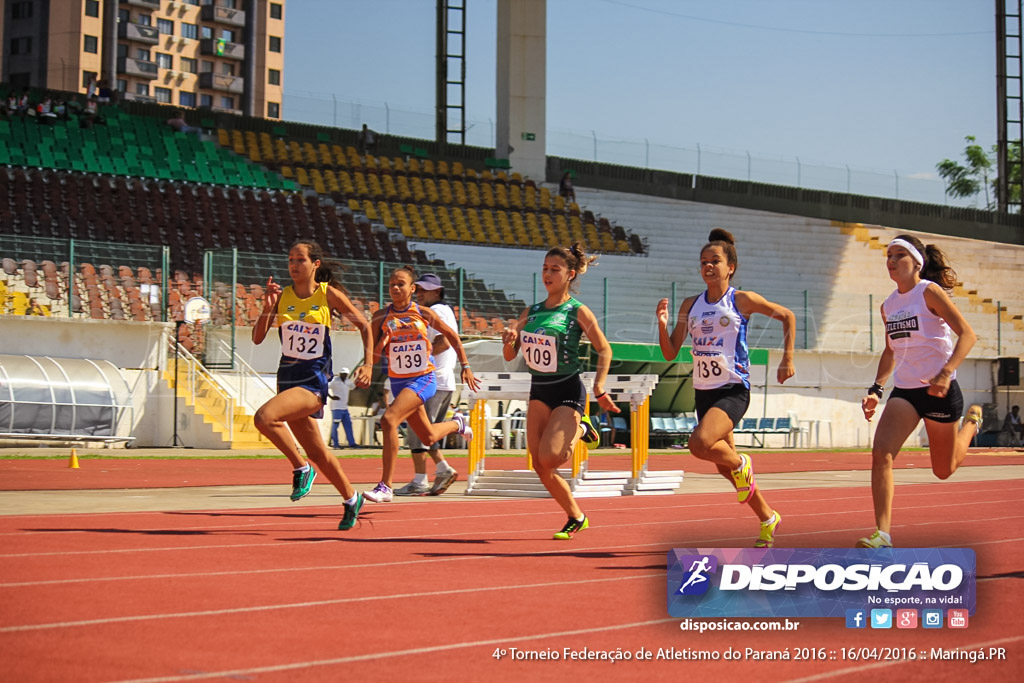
<point>856,618</point>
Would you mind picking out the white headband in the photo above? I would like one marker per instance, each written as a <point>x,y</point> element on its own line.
<point>911,249</point>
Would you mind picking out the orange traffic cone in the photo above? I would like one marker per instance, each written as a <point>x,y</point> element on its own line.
<point>73,460</point>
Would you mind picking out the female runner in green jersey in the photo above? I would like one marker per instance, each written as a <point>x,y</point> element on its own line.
<point>548,333</point>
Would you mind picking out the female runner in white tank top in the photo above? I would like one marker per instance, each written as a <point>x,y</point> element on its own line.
<point>717,322</point>
<point>919,352</point>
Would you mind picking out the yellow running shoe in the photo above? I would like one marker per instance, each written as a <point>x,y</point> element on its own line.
<point>767,537</point>
<point>571,527</point>
<point>974,415</point>
<point>743,479</point>
<point>875,540</point>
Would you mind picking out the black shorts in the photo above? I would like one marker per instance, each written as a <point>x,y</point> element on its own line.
<point>555,391</point>
<point>733,399</point>
<point>311,376</point>
<point>946,408</point>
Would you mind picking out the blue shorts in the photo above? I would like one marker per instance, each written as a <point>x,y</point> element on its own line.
<point>311,377</point>
<point>424,386</point>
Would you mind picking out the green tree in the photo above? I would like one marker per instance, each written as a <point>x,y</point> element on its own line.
<point>968,179</point>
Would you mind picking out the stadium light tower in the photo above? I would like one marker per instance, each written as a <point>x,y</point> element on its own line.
<point>450,80</point>
<point>1009,101</point>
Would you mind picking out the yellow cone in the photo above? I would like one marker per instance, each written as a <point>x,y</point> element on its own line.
<point>73,460</point>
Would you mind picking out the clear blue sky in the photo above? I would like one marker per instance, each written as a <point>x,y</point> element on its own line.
<point>873,84</point>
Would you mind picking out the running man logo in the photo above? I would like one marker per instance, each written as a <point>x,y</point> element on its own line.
<point>696,580</point>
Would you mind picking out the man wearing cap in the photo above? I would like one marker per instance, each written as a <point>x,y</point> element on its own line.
<point>429,292</point>
<point>338,390</point>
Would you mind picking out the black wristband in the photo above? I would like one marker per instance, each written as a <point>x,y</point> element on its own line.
<point>598,396</point>
<point>876,389</point>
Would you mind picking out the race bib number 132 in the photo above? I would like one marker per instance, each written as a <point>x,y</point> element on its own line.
<point>302,340</point>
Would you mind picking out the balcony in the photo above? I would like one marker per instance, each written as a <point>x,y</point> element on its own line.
<point>136,67</point>
<point>147,4</point>
<point>221,48</point>
<point>226,110</point>
<point>139,33</point>
<point>222,15</point>
<point>135,97</point>
<point>222,82</point>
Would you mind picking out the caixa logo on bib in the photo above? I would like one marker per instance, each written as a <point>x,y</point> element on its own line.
<point>816,582</point>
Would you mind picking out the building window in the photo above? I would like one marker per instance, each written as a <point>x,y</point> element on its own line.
<point>227,34</point>
<point>188,65</point>
<point>90,44</point>
<point>21,10</point>
<point>145,20</point>
<point>165,26</point>
<point>227,102</point>
<point>227,69</point>
<point>123,16</point>
<point>189,31</point>
<point>276,10</point>
<point>142,89</point>
<point>206,32</point>
<point>275,44</point>
<point>191,2</point>
<point>122,50</point>
<point>273,110</point>
<point>274,76</point>
<point>92,8</point>
<point>164,61</point>
<point>122,85</point>
<point>206,100</point>
<point>206,67</point>
<point>88,77</point>
<point>163,95</point>
<point>143,54</point>
<point>187,99</point>
<point>21,46</point>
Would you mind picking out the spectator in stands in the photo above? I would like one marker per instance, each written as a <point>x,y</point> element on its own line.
<point>91,89</point>
<point>35,309</point>
<point>717,322</point>
<point>402,331</point>
<point>103,95</point>
<point>177,122</point>
<point>90,115</point>
<point>60,110</point>
<point>44,111</point>
<point>23,106</point>
<point>549,334</point>
<point>1014,427</point>
<point>367,140</point>
<point>918,318</point>
<point>338,391</point>
<point>304,312</point>
<point>430,293</point>
<point>565,188</point>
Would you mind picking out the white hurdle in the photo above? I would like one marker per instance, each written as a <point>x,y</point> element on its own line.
<point>586,482</point>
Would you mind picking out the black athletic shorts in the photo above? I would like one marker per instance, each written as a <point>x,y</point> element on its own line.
<point>559,390</point>
<point>733,399</point>
<point>946,408</point>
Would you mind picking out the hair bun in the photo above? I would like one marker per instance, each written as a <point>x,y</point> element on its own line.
<point>721,235</point>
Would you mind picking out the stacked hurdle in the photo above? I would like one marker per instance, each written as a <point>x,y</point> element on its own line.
<point>585,482</point>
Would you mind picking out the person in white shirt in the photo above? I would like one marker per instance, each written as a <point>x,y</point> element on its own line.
<point>920,354</point>
<point>338,391</point>
<point>429,292</point>
<point>1013,425</point>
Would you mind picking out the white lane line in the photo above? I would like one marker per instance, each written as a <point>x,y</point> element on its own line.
<point>398,653</point>
<point>319,603</point>
<point>883,665</point>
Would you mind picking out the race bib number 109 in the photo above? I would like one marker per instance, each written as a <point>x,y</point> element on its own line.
<point>539,351</point>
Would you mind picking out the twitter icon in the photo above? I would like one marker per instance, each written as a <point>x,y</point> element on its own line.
<point>881,618</point>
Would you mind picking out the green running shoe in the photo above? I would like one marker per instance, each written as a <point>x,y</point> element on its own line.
<point>571,527</point>
<point>348,520</point>
<point>302,482</point>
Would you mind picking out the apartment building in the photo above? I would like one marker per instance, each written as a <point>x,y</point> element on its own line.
<point>226,55</point>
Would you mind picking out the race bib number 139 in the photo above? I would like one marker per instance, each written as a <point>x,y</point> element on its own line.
<point>408,358</point>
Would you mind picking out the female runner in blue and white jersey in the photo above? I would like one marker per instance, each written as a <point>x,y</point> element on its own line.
<point>304,312</point>
<point>920,353</point>
<point>717,322</point>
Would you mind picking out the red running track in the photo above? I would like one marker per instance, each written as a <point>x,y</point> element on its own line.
<point>427,591</point>
<point>126,472</point>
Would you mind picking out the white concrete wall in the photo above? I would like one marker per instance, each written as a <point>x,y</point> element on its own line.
<point>521,84</point>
